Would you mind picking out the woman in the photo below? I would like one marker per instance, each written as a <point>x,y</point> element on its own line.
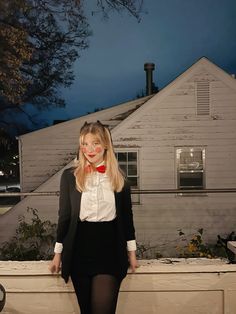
<point>95,234</point>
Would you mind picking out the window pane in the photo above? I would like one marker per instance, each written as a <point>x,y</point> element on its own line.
<point>122,157</point>
<point>132,170</point>
<point>191,180</point>
<point>191,172</point>
<point>133,181</point>
<point>132,156</point>
<point>191,160</point>
<point>128,164</point>
<point>123,168</point>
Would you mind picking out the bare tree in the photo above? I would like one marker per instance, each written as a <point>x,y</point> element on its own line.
<point>39,42</point>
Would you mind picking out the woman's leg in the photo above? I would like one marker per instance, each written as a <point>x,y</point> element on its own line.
<point>82,286</point>
<point>104,294</point>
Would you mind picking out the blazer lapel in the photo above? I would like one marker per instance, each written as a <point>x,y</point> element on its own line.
<point>118,200</point>
<point>75,203</point>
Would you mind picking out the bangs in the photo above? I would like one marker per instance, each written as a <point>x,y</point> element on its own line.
<point>96,133</point>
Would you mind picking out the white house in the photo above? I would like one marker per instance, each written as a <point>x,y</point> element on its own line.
<point>183,137</point>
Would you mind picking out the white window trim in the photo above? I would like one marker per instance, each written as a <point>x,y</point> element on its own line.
<point>177,160</point>
<point>133,150</point>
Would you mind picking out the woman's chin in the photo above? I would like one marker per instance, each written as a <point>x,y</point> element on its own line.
<point>95,160</point>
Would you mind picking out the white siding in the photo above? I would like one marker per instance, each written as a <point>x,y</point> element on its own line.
<point>44,152</point>
<point>168,121</point>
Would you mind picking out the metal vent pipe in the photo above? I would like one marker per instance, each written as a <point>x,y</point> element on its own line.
<point>149,67</point>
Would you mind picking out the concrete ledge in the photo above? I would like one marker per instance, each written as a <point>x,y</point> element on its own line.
<point>165,286</point>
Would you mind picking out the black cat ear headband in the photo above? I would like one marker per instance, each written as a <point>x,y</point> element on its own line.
<point>98,122</point>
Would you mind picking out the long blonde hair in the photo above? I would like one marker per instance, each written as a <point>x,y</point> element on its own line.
<point>113,170</point>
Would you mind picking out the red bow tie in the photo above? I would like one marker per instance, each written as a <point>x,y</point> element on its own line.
<point>101,169</point>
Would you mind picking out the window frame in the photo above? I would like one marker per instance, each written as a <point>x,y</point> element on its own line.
<point>136,198</point>
<point>128,150</point>
<point>178,151</point>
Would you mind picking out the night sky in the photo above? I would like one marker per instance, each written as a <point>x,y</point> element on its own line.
<point>173,34</point>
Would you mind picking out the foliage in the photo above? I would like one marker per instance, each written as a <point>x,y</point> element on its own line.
<point>145,251</point>
<point>192,246</point>
<point>32,241</point>
<point>222,244</point>
<point>14,49</point>
<point>56,31</point>
<point>39,43</point>
<point>9,158</point>
<point>195,247</point>
<point>134,7</point>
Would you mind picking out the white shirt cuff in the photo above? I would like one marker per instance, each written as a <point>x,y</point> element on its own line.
<point>58,247</point>
<point>131,245</point>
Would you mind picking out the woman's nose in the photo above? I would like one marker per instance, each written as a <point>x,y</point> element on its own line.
<point>90,148</point>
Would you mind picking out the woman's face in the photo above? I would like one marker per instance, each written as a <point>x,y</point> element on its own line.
<point>92,149</point>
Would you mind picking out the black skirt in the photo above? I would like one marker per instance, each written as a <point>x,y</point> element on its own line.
<point>95,249</point>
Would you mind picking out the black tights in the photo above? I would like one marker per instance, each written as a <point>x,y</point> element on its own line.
<point>97,294</point>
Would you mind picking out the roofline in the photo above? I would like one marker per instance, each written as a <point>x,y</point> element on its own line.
<point>162,93</point>
<point>89,116</point>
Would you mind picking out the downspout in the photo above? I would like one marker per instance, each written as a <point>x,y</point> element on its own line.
<point>20,144</point>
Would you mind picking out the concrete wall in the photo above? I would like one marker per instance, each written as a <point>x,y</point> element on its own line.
<point>177,286</point>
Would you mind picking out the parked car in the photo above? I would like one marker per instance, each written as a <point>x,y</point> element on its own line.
<point>12,189</point>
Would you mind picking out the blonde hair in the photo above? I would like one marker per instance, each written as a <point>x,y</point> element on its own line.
<point>113,170</point>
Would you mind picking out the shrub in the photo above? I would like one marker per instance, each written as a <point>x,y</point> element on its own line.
<point>195,246</point>
<point>222,245</point>
<point>32,241</point>
<point>145,251</point>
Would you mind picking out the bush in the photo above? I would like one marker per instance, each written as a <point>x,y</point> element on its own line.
<point>145,251</point>
<point>195,246</point>
<point>33,241</point>
<point>222,245</point>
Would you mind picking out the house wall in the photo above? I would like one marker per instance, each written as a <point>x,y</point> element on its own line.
<point>44,155</point>
<point>168,122</point>
<point>44,152</point>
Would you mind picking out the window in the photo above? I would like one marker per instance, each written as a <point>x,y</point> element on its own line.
<point>128,162</point>
<point>190,167</point>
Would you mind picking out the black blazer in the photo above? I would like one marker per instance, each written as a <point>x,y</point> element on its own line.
<point>69,209</point>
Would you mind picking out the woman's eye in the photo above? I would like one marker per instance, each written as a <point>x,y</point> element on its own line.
<point>91,144</point>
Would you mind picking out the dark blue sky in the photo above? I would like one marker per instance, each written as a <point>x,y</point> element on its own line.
<point>173,34</point>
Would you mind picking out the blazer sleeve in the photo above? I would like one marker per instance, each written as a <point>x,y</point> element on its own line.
<point>64,213</point>
<point>128,214</point>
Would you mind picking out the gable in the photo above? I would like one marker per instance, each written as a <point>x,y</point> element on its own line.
<point>203,90</point>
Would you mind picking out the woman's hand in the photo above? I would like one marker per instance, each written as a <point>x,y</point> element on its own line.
<point>133,261</point>
<point>55,264</point>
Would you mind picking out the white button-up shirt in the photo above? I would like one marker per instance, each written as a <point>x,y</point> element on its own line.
<point>98,199</point>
